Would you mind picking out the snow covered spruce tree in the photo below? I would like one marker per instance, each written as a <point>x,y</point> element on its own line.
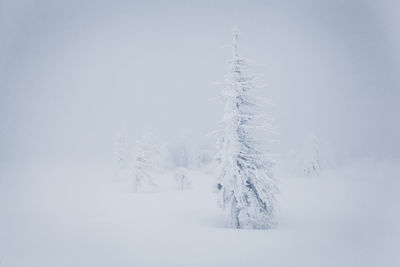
<point>145,163</point>
<point>245,185</point>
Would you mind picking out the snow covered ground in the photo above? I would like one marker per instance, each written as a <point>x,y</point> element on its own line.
<point>70,216</point>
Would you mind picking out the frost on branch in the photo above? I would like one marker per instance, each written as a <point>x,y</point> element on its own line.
<point>245,184</point>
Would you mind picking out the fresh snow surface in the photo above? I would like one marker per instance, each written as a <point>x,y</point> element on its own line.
<point>70,216</point>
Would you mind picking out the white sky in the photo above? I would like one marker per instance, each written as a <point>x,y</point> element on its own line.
<point>72,71</point>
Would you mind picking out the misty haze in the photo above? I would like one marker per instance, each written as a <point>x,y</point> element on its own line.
<point>199,133</point>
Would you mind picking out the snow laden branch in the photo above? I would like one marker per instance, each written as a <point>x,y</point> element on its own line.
<point>245,184</point>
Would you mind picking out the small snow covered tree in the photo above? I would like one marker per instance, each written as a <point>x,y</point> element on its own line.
<point>181,152</point>
<point>312,161</point>
<point>146,162</point>
<point>182,179</point>
<point>245,184</point>
<point>120,152</point>
<point>204,158</point>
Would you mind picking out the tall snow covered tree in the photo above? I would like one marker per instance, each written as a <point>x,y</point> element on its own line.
<point>245,184</point>
<point>145,163</point>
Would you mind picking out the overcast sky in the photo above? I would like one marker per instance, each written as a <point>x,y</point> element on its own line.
<point>71,72</point>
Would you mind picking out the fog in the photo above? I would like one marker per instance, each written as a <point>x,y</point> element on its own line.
<point>73,71</point>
